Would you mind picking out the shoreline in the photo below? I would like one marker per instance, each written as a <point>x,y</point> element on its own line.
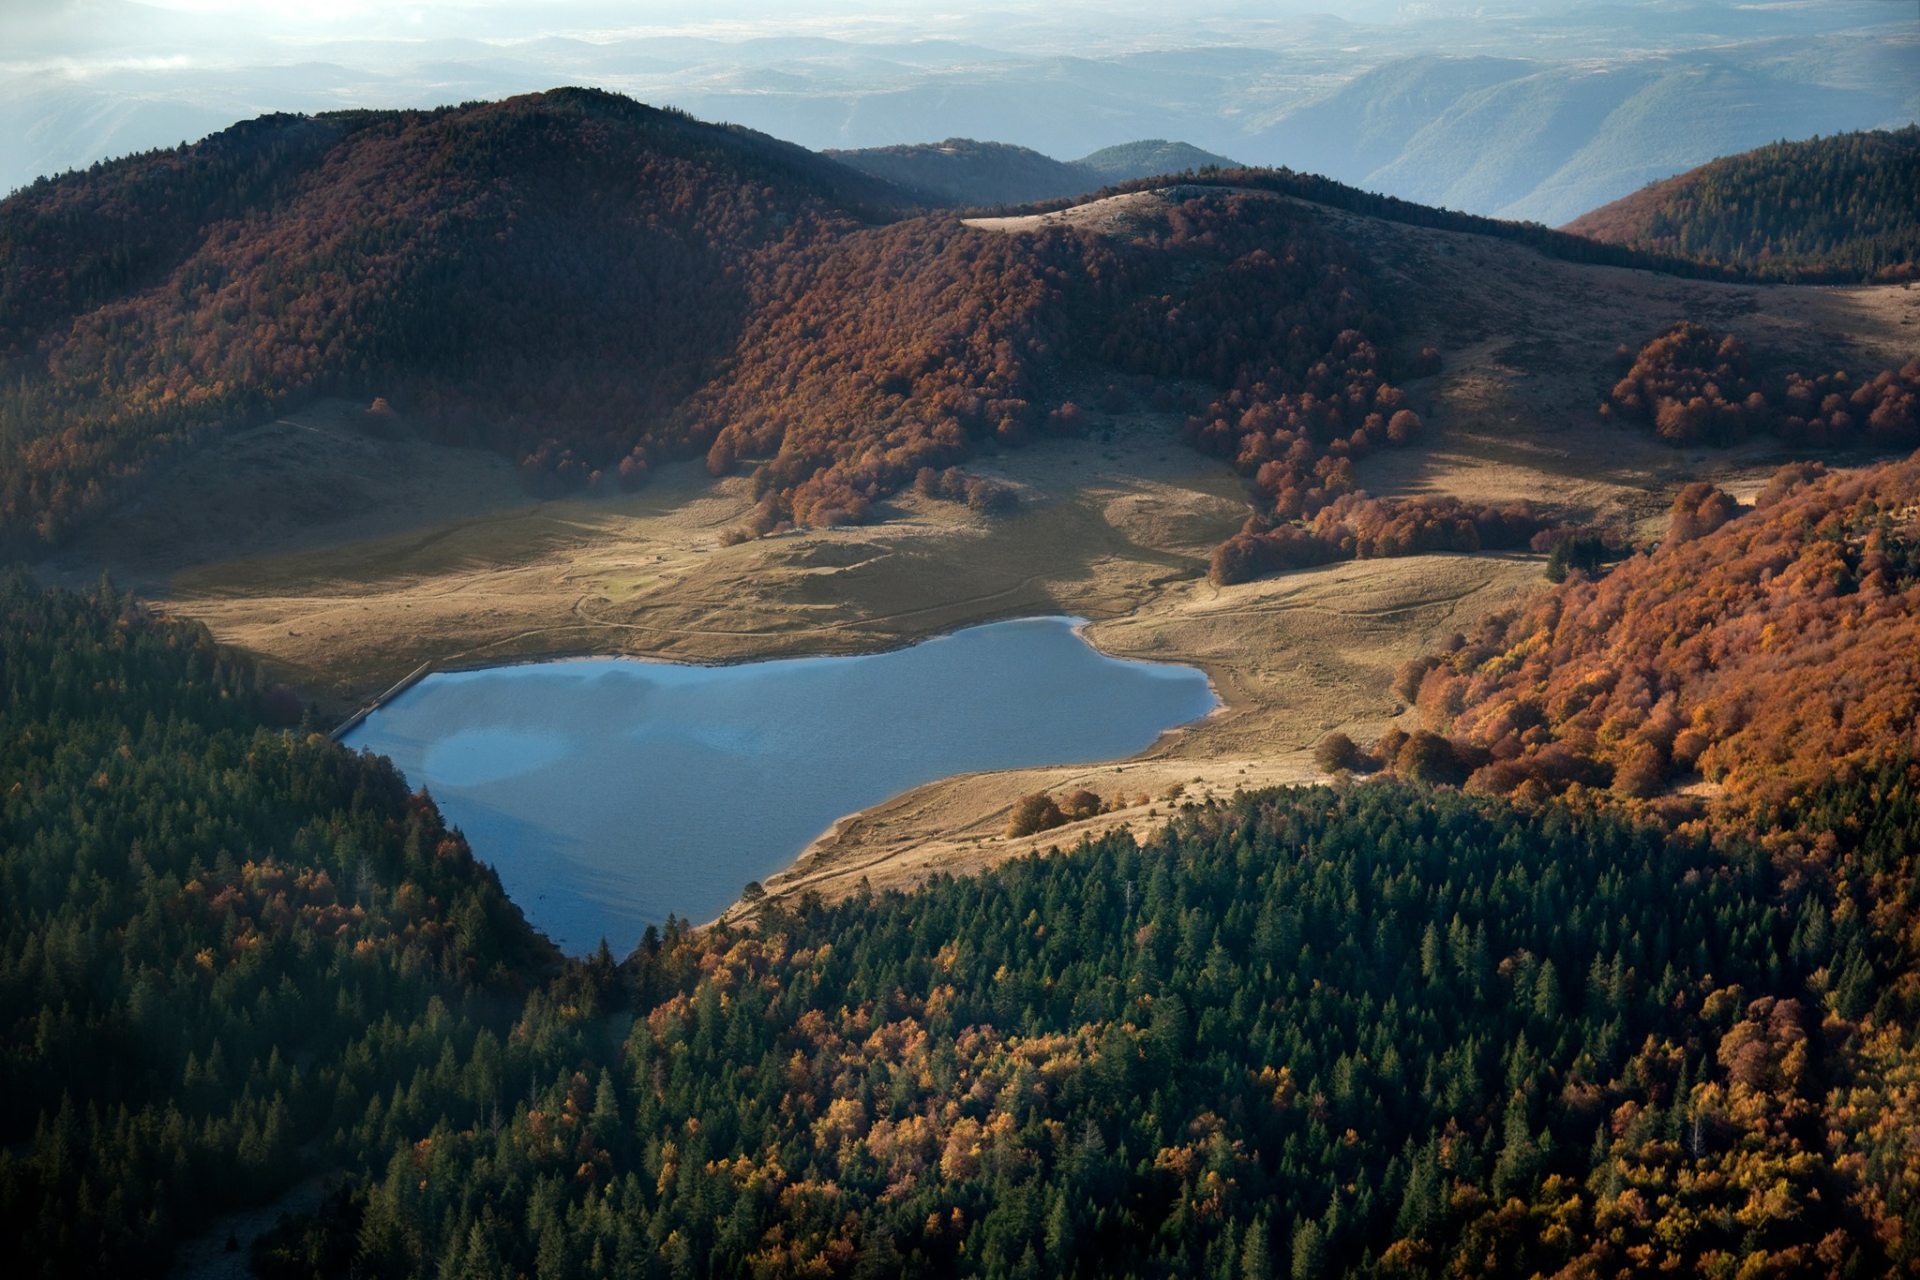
<point>464,662</point>
<point>801,859</point>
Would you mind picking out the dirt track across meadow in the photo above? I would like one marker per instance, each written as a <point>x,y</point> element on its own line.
<point>368,554</point>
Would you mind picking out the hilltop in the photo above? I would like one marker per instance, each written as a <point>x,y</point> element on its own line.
<point>1845,207</point>
<point>591,286</point>
<point>1151,157</point>
<point>549,275</point>
<point>964,173</point>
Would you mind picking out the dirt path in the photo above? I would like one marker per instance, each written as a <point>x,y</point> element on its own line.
<point>439,556</point>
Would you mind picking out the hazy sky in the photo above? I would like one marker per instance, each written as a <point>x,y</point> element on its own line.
<point>83,80</point>
<point>81,35</point>
<point>222,29</point>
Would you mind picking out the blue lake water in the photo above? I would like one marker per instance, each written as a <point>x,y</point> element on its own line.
<point>611,792</point>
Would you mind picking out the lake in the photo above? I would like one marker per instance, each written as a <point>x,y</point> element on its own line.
<point>610,792</point>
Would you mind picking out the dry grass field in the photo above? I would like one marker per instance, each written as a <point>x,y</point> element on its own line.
<point>367,554</point>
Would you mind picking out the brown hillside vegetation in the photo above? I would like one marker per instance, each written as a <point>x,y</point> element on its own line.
<point>885,351</point>
<point>549,275</point>
<point>1761,652</point>
<point>1693,384</point>
<point>595,287</point>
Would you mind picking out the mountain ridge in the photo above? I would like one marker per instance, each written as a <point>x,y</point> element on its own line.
<point>967,173</point>
<point>1834,208</point>
<point>1568,137</point>
<point>479,265</point>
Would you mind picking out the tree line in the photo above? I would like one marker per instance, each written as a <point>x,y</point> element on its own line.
<point>1308,1032</point>
<point>1839,209</point>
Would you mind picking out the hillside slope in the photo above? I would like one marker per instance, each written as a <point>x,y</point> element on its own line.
<point>961,171</point>
<point>1150,158</point>
<point>964,173</point>
<point>215,967</point>
<point>559,268</point>
<point>590,285</point>
<point>1845,207</point>
<point>1758,650</point>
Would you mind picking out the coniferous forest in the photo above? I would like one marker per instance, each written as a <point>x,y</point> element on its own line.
<point>1380,1030</point>
<point>1837,208</point>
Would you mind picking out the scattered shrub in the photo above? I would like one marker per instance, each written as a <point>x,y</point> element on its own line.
<point>1033,814</point>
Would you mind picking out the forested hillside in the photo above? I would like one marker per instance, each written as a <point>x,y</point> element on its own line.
<point>1307,1033</point>
<point>963,173</point>
<point>902,347</point>
<point>1758,651</point>
<point>229,955</point>
<point>1301,1035</point>
<point>550,275</point>
<point>593,286</point>
<point>1845,207</point>
<point>598,287</point>
<point>1149,158</point>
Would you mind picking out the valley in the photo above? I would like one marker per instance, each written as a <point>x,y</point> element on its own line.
<point>373,553</point>
<point>1521,881</point>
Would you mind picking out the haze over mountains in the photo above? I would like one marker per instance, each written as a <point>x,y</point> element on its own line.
<point>1541,110</point>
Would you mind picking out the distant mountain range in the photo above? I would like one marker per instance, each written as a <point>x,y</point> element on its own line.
<point>1547,142</point>
<point>1542,113</point>
<point>963,172</point>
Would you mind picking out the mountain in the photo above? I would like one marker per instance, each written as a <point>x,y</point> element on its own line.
<point>1845,207</point>
<point>961,171</point>
<point>1150,158</point>
<point>966,173</point>
<point>1368,122</point>
<point>570,264</point>
<point>1547,141</point>
<point>597,287</point>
